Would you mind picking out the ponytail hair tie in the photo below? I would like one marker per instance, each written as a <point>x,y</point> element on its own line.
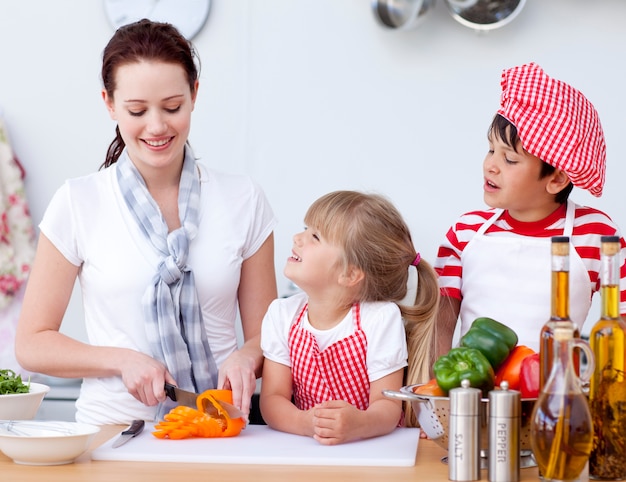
<point>417,259</point>
<point>411,284</point>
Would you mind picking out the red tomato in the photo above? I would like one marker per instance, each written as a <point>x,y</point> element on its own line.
<point>529,377</point>
<point>512,365</point>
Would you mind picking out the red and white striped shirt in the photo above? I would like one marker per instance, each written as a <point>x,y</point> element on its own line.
<point>589,226</point>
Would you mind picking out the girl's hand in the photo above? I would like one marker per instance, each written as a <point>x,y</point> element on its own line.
<point>238,373</point>
<point>144,377</point>
<point>335,422</point>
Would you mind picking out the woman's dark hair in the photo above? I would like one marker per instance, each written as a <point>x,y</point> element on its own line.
<point>502,128</point>
<point>138,41</point>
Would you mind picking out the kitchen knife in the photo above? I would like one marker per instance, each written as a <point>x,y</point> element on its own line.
<point>135,429</point>
<point>183,397</point>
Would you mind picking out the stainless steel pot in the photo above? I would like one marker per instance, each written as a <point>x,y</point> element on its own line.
<point>484,14</point>
<point>432,414</point>
<point>400,14</point>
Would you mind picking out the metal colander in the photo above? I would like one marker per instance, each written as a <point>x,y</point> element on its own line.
<point>432,414</point>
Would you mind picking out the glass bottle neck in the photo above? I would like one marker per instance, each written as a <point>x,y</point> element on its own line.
<point>560,377</point>
<point>609,285</point>
<point>560,295</point>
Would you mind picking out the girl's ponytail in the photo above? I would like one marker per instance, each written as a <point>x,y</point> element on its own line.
<point>419,323</point>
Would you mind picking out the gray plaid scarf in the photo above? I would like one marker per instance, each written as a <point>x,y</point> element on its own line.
<point>172,312</point>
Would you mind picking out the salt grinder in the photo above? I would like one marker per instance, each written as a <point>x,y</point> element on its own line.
<point>504,434</point>
<point>464,433</point>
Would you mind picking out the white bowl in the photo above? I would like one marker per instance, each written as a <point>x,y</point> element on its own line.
<point>45,442</point>
<point>23,406</point>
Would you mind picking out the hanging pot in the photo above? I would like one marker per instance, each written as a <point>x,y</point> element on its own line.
<point>484,14</point>
<point>400,14</point>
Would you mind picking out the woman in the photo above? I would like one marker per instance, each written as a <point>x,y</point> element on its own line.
<point>166,251</point>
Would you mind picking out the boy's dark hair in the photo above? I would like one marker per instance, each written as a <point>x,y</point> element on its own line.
<point>507,132</point>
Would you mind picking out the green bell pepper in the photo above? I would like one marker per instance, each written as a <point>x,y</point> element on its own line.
<point>464,363</point>
<point>491,338</point>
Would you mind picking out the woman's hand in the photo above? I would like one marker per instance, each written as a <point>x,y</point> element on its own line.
<point>144,377</point>
<point>257,289</point>
<point>238,373</point>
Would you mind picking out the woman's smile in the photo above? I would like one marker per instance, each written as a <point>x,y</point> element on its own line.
<point>158,144</point>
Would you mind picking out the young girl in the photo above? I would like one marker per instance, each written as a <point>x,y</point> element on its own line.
<point>337,345</point>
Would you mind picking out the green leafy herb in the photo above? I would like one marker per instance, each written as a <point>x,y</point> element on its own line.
<point>10,382</point>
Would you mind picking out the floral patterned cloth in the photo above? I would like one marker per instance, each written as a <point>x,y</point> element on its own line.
<point>17,235</point>
<point>8,325</point>
<point>17,249</point>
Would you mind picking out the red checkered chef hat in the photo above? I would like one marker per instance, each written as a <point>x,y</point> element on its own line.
<point>556,123</point>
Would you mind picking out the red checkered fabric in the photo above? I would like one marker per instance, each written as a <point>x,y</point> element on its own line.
<point>337,373</point>
<point>556,123</point>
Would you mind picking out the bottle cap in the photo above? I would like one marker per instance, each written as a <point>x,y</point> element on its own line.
<point>610,245</point>
<point>560,245</point>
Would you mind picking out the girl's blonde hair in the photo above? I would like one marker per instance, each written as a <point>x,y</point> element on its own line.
<point>375,239</point>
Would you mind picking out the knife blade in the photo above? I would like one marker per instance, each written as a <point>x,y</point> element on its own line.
<point>136,427</point>
<point>189,399</point>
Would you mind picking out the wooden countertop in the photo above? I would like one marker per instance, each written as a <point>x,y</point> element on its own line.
<point>428,467</point>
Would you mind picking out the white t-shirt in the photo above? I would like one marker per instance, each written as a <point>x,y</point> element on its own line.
<point>380,321</point>
<point>90,224</point>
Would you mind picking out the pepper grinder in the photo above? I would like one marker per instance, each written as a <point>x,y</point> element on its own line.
<point>504,434</point>
<point>464,433</point>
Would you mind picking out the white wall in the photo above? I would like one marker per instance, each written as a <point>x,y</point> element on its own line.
<point>309,96</point>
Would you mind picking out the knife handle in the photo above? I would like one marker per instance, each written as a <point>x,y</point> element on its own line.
<point>135,428</point>
<point>169,391</point>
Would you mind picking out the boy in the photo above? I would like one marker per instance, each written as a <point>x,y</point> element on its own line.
<point>545,138</point>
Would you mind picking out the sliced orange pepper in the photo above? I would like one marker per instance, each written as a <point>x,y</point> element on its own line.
<point>186,422</point>
<point>233,426</point>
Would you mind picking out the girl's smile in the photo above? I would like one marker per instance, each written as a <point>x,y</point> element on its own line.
<point>294,258</point>
<point>314,262</point>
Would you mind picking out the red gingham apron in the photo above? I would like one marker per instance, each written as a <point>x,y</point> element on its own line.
<point>337,373</point>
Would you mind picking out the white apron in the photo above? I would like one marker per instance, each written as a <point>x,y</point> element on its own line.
<point>509,279</point>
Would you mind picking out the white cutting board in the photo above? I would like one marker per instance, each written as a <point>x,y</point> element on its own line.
<point>259,444</point>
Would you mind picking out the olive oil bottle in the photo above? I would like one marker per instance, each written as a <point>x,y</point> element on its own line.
<point>560,425</point>
<point>607,394</point>
<point>559,317</point>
